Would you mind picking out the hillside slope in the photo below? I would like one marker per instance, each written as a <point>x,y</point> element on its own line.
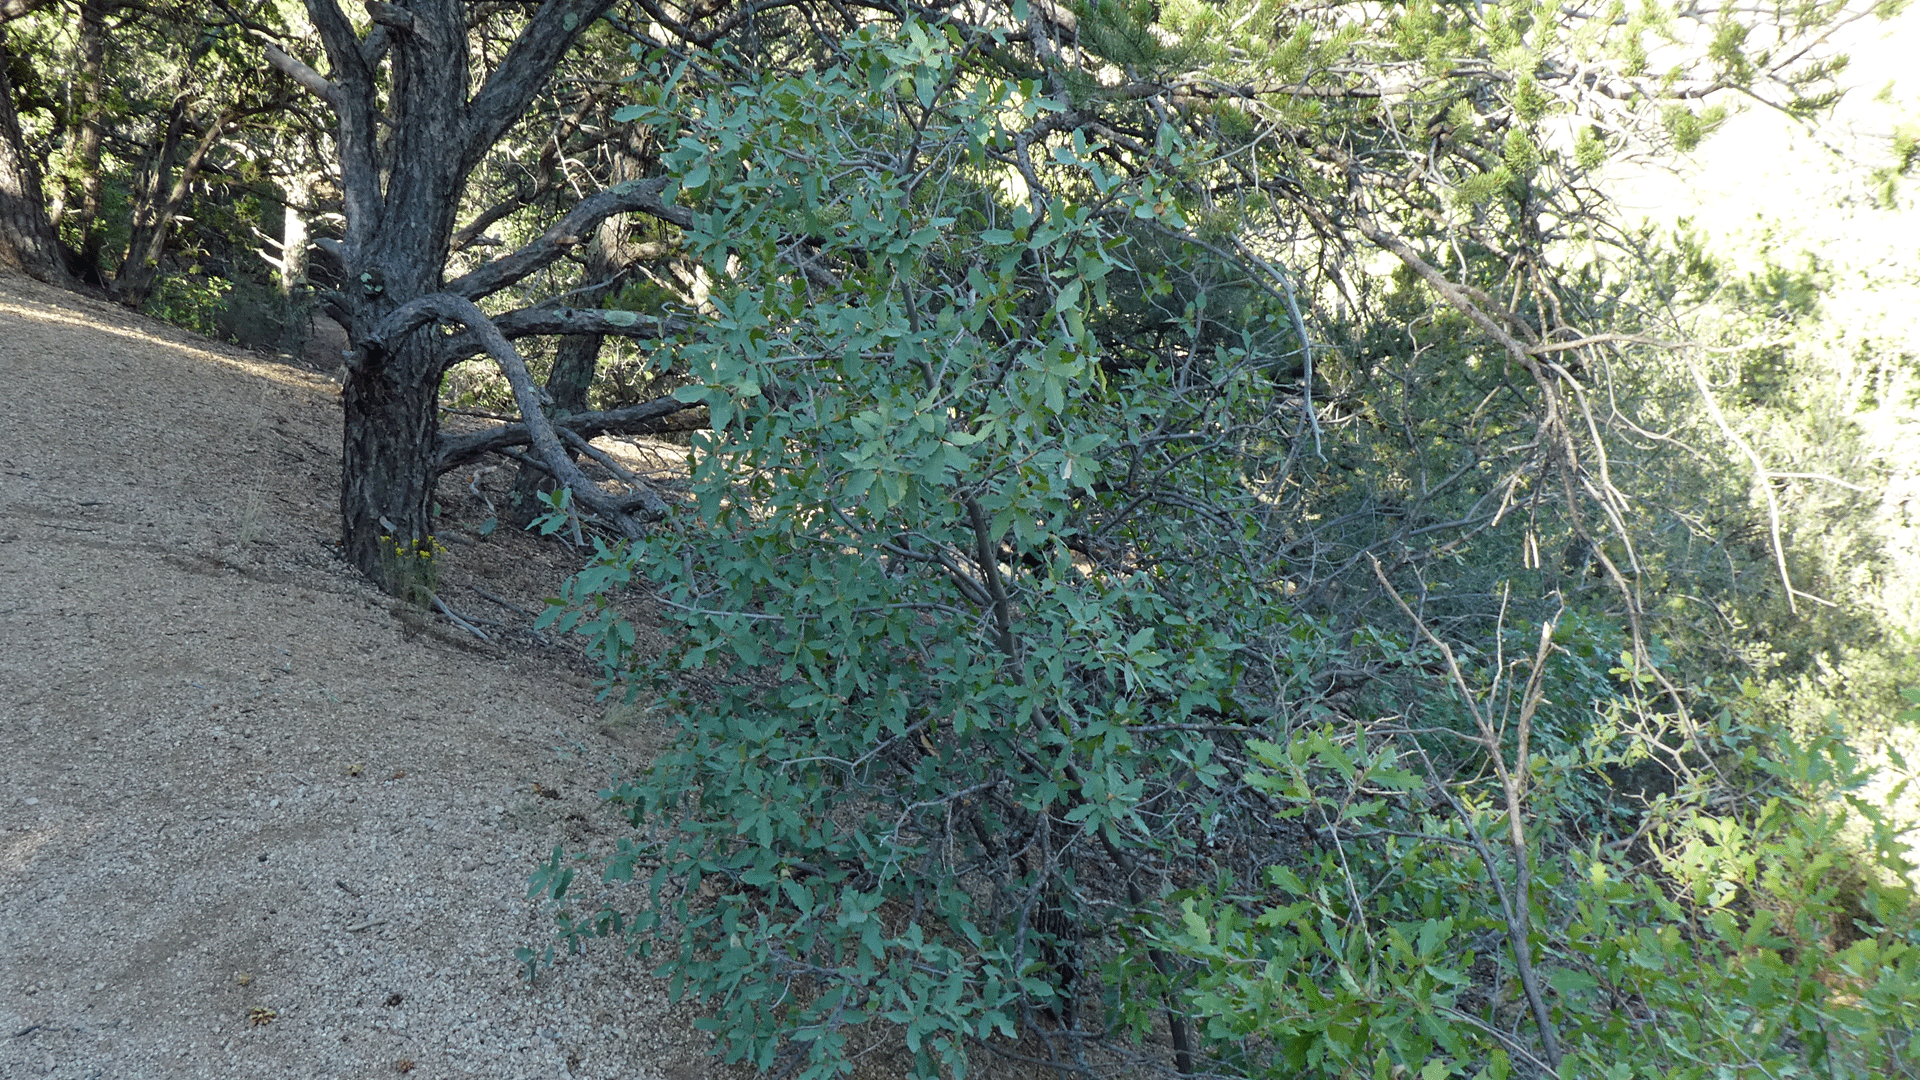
<point>241,780</point>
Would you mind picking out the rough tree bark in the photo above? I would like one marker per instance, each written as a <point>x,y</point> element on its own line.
<point>405,157</point>
<point>27,240</point>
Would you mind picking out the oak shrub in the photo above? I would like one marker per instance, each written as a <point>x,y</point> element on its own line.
<point>996,728</point>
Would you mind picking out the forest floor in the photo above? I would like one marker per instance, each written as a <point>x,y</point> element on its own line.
<point>259,819</point>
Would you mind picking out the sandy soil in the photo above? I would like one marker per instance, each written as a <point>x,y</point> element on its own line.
<point>256,820</point>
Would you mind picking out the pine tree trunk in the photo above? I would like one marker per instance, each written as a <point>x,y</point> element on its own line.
<point>391,403</point>
<point>392,414</point>
<point>402,169</point>
<point>27,241</point>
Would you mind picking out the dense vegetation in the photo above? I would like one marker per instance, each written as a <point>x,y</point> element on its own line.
<point>1212,547</point>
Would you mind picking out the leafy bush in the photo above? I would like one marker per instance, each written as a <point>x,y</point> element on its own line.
<point>1764,941</point>
<point>954,688</point>
<point>192,301</point>
<point>1002,725</point>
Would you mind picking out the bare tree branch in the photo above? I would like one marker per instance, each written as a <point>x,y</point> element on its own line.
<point>548,176</point>
<point>555,319</point>
<point>1518,908</point>
<point>693,35</point>
<point>540,431</point>
<point>1454,293</point>
<point>568,233</point>
<point>571,231</point>
<point>632,419</point>
<point>646,499</point>
<point>528,65</point>
<point>301,73</point>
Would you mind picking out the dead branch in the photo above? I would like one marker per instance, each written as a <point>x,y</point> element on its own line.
<point>1516,908</point>
<point>558,319</point>
<point>1762,479</point>
<point>455,618</point>
<point>312,80</point>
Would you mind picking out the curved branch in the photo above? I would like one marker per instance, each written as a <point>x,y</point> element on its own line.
<point>1762,479</point>
<point>641,196</point>
<point>570,232</point>
<point>705,38</point>
<point>446,306</point>
<point>1517,908</point>
<point>632,419</point>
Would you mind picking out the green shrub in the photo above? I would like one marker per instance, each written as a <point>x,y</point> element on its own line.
<point>948,694</point>
<point>996,714</point>
<point>1764,940</point>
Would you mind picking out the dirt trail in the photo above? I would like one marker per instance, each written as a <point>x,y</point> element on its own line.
<point>240,785</point>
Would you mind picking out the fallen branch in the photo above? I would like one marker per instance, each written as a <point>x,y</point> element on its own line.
<point>454,617</point>
<point>505,603</point>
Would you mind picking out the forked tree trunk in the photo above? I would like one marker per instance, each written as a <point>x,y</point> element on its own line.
<point>399,228</point>
<point>159,205</point>
<point>403,165</point>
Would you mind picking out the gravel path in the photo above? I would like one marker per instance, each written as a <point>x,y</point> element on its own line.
<point>257,822</point>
